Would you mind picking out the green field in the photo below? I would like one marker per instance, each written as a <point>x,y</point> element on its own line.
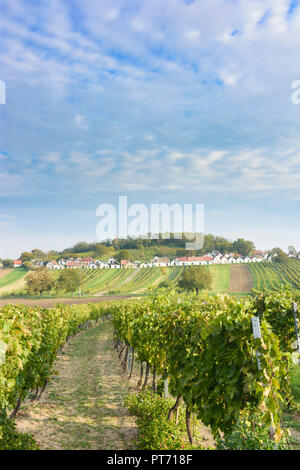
<point>221,278</point>
<point>13,276</point>
<point>266,276</point>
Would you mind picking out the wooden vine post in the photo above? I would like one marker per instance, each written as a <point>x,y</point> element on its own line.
<point>256,334</point>
<point>295,310</point>
<point>166,388</point>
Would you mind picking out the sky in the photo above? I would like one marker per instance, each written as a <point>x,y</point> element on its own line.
<point>165,101</point>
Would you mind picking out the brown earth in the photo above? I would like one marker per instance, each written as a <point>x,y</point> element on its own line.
<point>240,278</point>
<point>5,272</point>
<point>50,302</point>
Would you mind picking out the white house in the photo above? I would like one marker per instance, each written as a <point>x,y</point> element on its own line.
<point>17,263</point>
<point>53,265</point>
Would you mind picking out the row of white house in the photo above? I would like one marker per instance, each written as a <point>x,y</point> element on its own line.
<point>210,258</point>
<point>214,257</point>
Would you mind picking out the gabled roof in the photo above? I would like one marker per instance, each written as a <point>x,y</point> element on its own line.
<point>18,262</point>
<point>195,258</point>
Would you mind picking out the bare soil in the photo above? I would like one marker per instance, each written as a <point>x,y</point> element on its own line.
<point>69,301</point>
<point>240,278</point>
<point>5,272</point>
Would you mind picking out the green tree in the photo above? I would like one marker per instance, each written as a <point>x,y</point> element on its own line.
<point>123,254</point>
<point>26,256</point>
<point>279,256</point>
<point>7,263</point>
<point>38,254</point>
<point>39,281</point>
<point>29,266</point>
<point>243,247</point>
<point>69,280</point>
<point>102,251</point>
<point>194,278</point>
<point>51,254</point>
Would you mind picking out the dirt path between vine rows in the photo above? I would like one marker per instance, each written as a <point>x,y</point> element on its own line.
<point>46,303</point>
<point>82,407</point>
<point>240,278</point>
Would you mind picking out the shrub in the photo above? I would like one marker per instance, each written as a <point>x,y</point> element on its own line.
<point>14,440</point>
<point>155,430</point>
<point>250,433</point>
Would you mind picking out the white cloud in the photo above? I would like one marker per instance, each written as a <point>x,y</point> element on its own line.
<point>80,122</point>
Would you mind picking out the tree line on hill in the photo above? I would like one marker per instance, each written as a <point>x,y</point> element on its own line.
<point>136,248</point>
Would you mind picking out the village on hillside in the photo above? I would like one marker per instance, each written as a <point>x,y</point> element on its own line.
<point>214,257</point>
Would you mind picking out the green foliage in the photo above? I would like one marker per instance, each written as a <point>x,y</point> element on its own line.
<point>243,247</point>
<point>26,256</point>
<point>155,430</point>
<point>205,346</point>
<point>276,308</point>
<point>295,382</point>
<point>39,281</point>
<point>275,276</point>
<point>7,263</point>
<point>164,285</point>
<point>28,266</point>
<point>68,280</point>
<point>30,338</point>
<point>279,256</point>
<point>143,249</point>
<point>14,440</point>
<point>123,254</point>
<point>249,433</point>
<point>38,254</point>
<point>194,278</point>
<point>102,251</point>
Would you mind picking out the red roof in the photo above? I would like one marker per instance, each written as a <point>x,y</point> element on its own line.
<point>71,263</point>
<point>87,258</point>
<point>17,262</point>
<point>123,262</point>
<point>195,258</point>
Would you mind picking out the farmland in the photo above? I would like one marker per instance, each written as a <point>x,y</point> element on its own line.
<point>112,358</point>
<point>275,276</point>
<point>235,278</point>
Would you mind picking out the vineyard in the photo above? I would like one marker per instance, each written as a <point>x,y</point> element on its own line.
<point>101,281</point>
<point>202,347</point>
<point>29,341</point>
<point>275,276</point>
<point>225,278</point>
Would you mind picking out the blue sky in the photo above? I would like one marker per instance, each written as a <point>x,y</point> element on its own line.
<point>160,100</point>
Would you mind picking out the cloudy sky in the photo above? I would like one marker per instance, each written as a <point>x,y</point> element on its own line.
<point>164,101</point>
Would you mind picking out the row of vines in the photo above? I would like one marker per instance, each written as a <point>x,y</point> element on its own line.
<point>205,348</point>
<point>30,338</point>
<point>275,276</point>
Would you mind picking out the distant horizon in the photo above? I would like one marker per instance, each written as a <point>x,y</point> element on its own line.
<point>164,101</point>
<point>17,256</point>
